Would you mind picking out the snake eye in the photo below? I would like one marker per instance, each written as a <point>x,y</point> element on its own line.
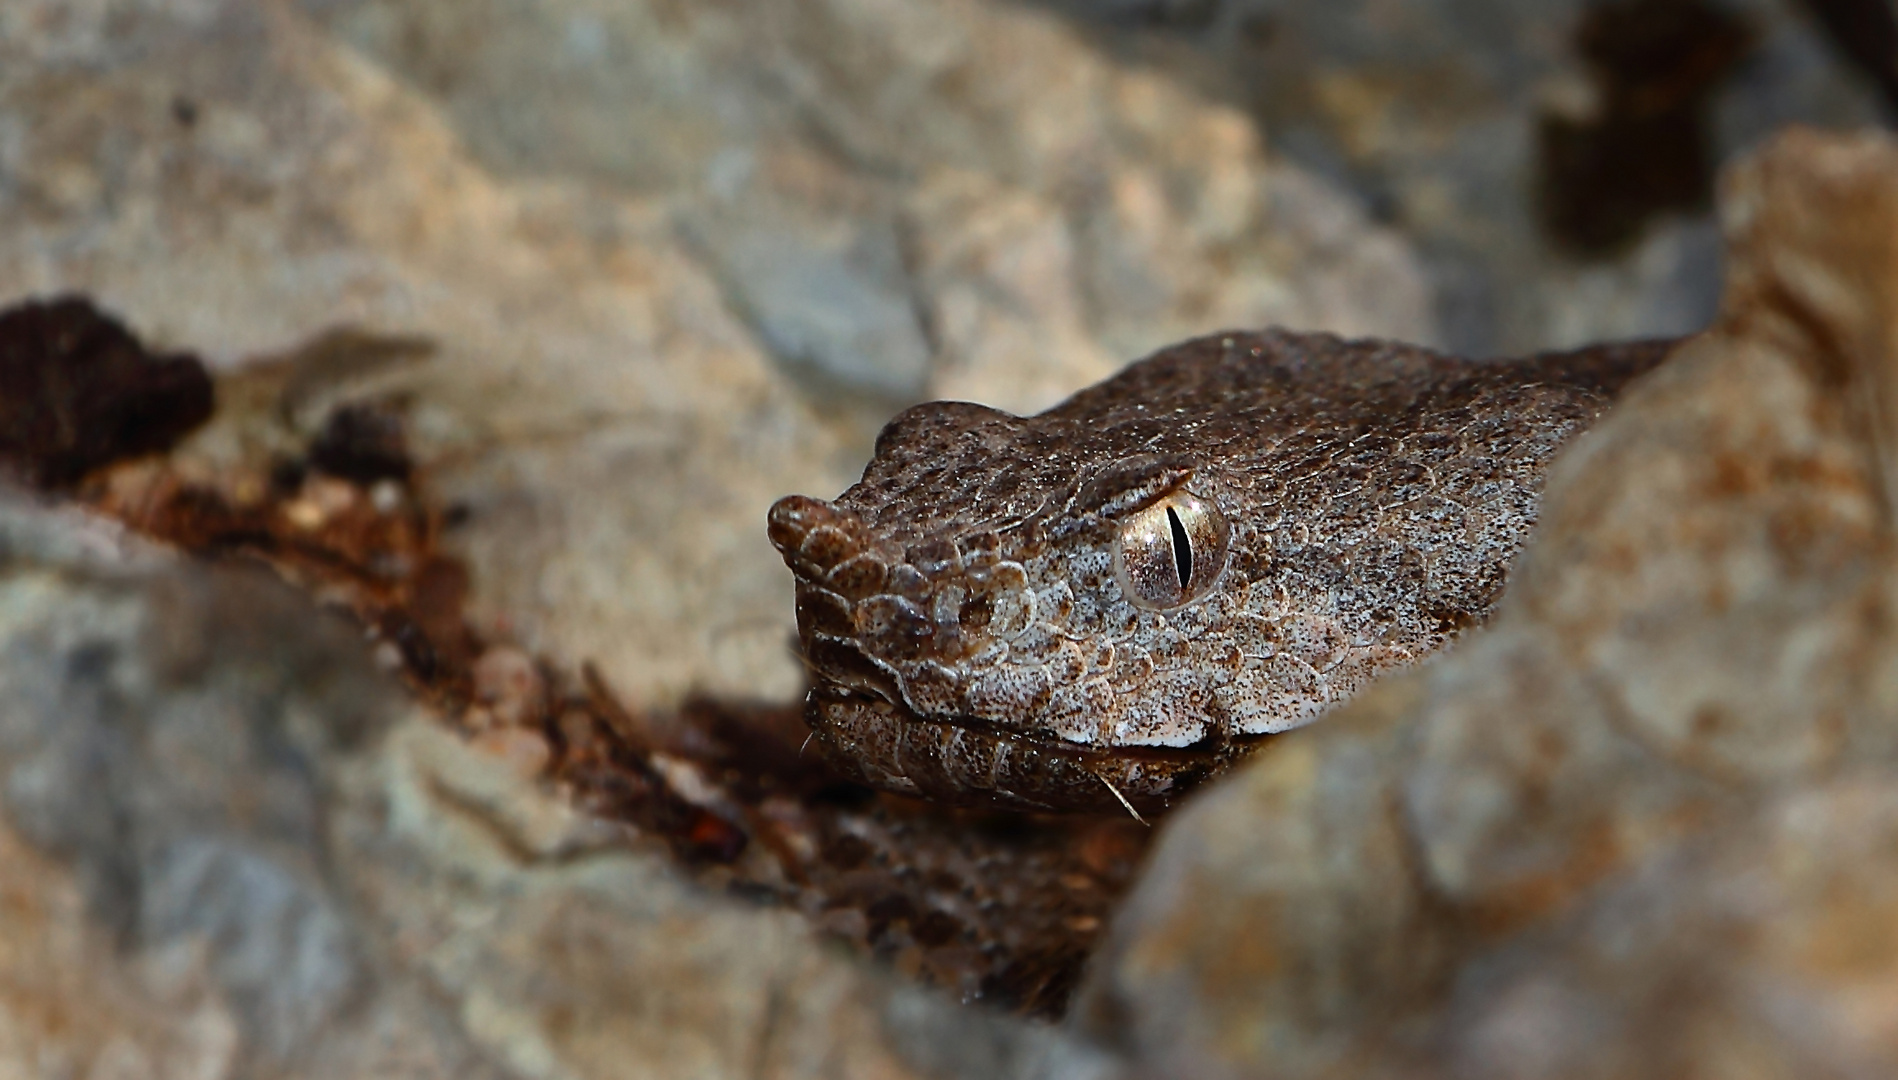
<point>1171,553</point>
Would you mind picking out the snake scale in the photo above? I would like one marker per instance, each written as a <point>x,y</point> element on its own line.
<point>1101,605</point>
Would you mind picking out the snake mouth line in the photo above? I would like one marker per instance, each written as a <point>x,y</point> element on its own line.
<point>1200,752</point>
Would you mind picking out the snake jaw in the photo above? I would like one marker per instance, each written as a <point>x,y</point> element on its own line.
<point>964,761</point>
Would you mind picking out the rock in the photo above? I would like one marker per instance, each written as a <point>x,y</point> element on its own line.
<point>834,309</point>
<point>1760,950</point>
<point>232,848</point>
<point>1164,197</point>
<point>155,761</point>
<point>1637,824</point>
<point>1551,160</point>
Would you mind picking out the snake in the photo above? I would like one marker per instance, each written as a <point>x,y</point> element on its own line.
<point>1103,605</point>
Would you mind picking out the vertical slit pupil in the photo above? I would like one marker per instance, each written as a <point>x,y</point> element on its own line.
<point>1182,549</point>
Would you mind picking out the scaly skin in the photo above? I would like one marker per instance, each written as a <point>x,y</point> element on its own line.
<point>971,642</point>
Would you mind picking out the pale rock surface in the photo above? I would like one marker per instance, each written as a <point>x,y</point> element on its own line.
<point>842,148</point>
<point>1428,110</point>
<point>1639,825</point>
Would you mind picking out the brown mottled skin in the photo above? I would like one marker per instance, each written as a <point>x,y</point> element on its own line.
<point>971,643</point>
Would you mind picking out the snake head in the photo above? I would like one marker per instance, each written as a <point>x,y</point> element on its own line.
<point>1098,606</point>
<point>953,608</point>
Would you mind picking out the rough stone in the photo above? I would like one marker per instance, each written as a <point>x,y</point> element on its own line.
<point>1451,119</point>
<point>1762,950</point>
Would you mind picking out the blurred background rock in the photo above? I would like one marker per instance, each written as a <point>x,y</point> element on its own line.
<point>1550,161</point>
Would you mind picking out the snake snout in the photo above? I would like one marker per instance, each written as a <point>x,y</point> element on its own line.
<point>826,544</point>
<point>792,518</point>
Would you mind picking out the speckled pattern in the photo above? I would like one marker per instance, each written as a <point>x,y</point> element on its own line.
<point>969,639</point>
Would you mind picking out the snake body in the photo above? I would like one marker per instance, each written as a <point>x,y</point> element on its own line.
<point>1101,605</point>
